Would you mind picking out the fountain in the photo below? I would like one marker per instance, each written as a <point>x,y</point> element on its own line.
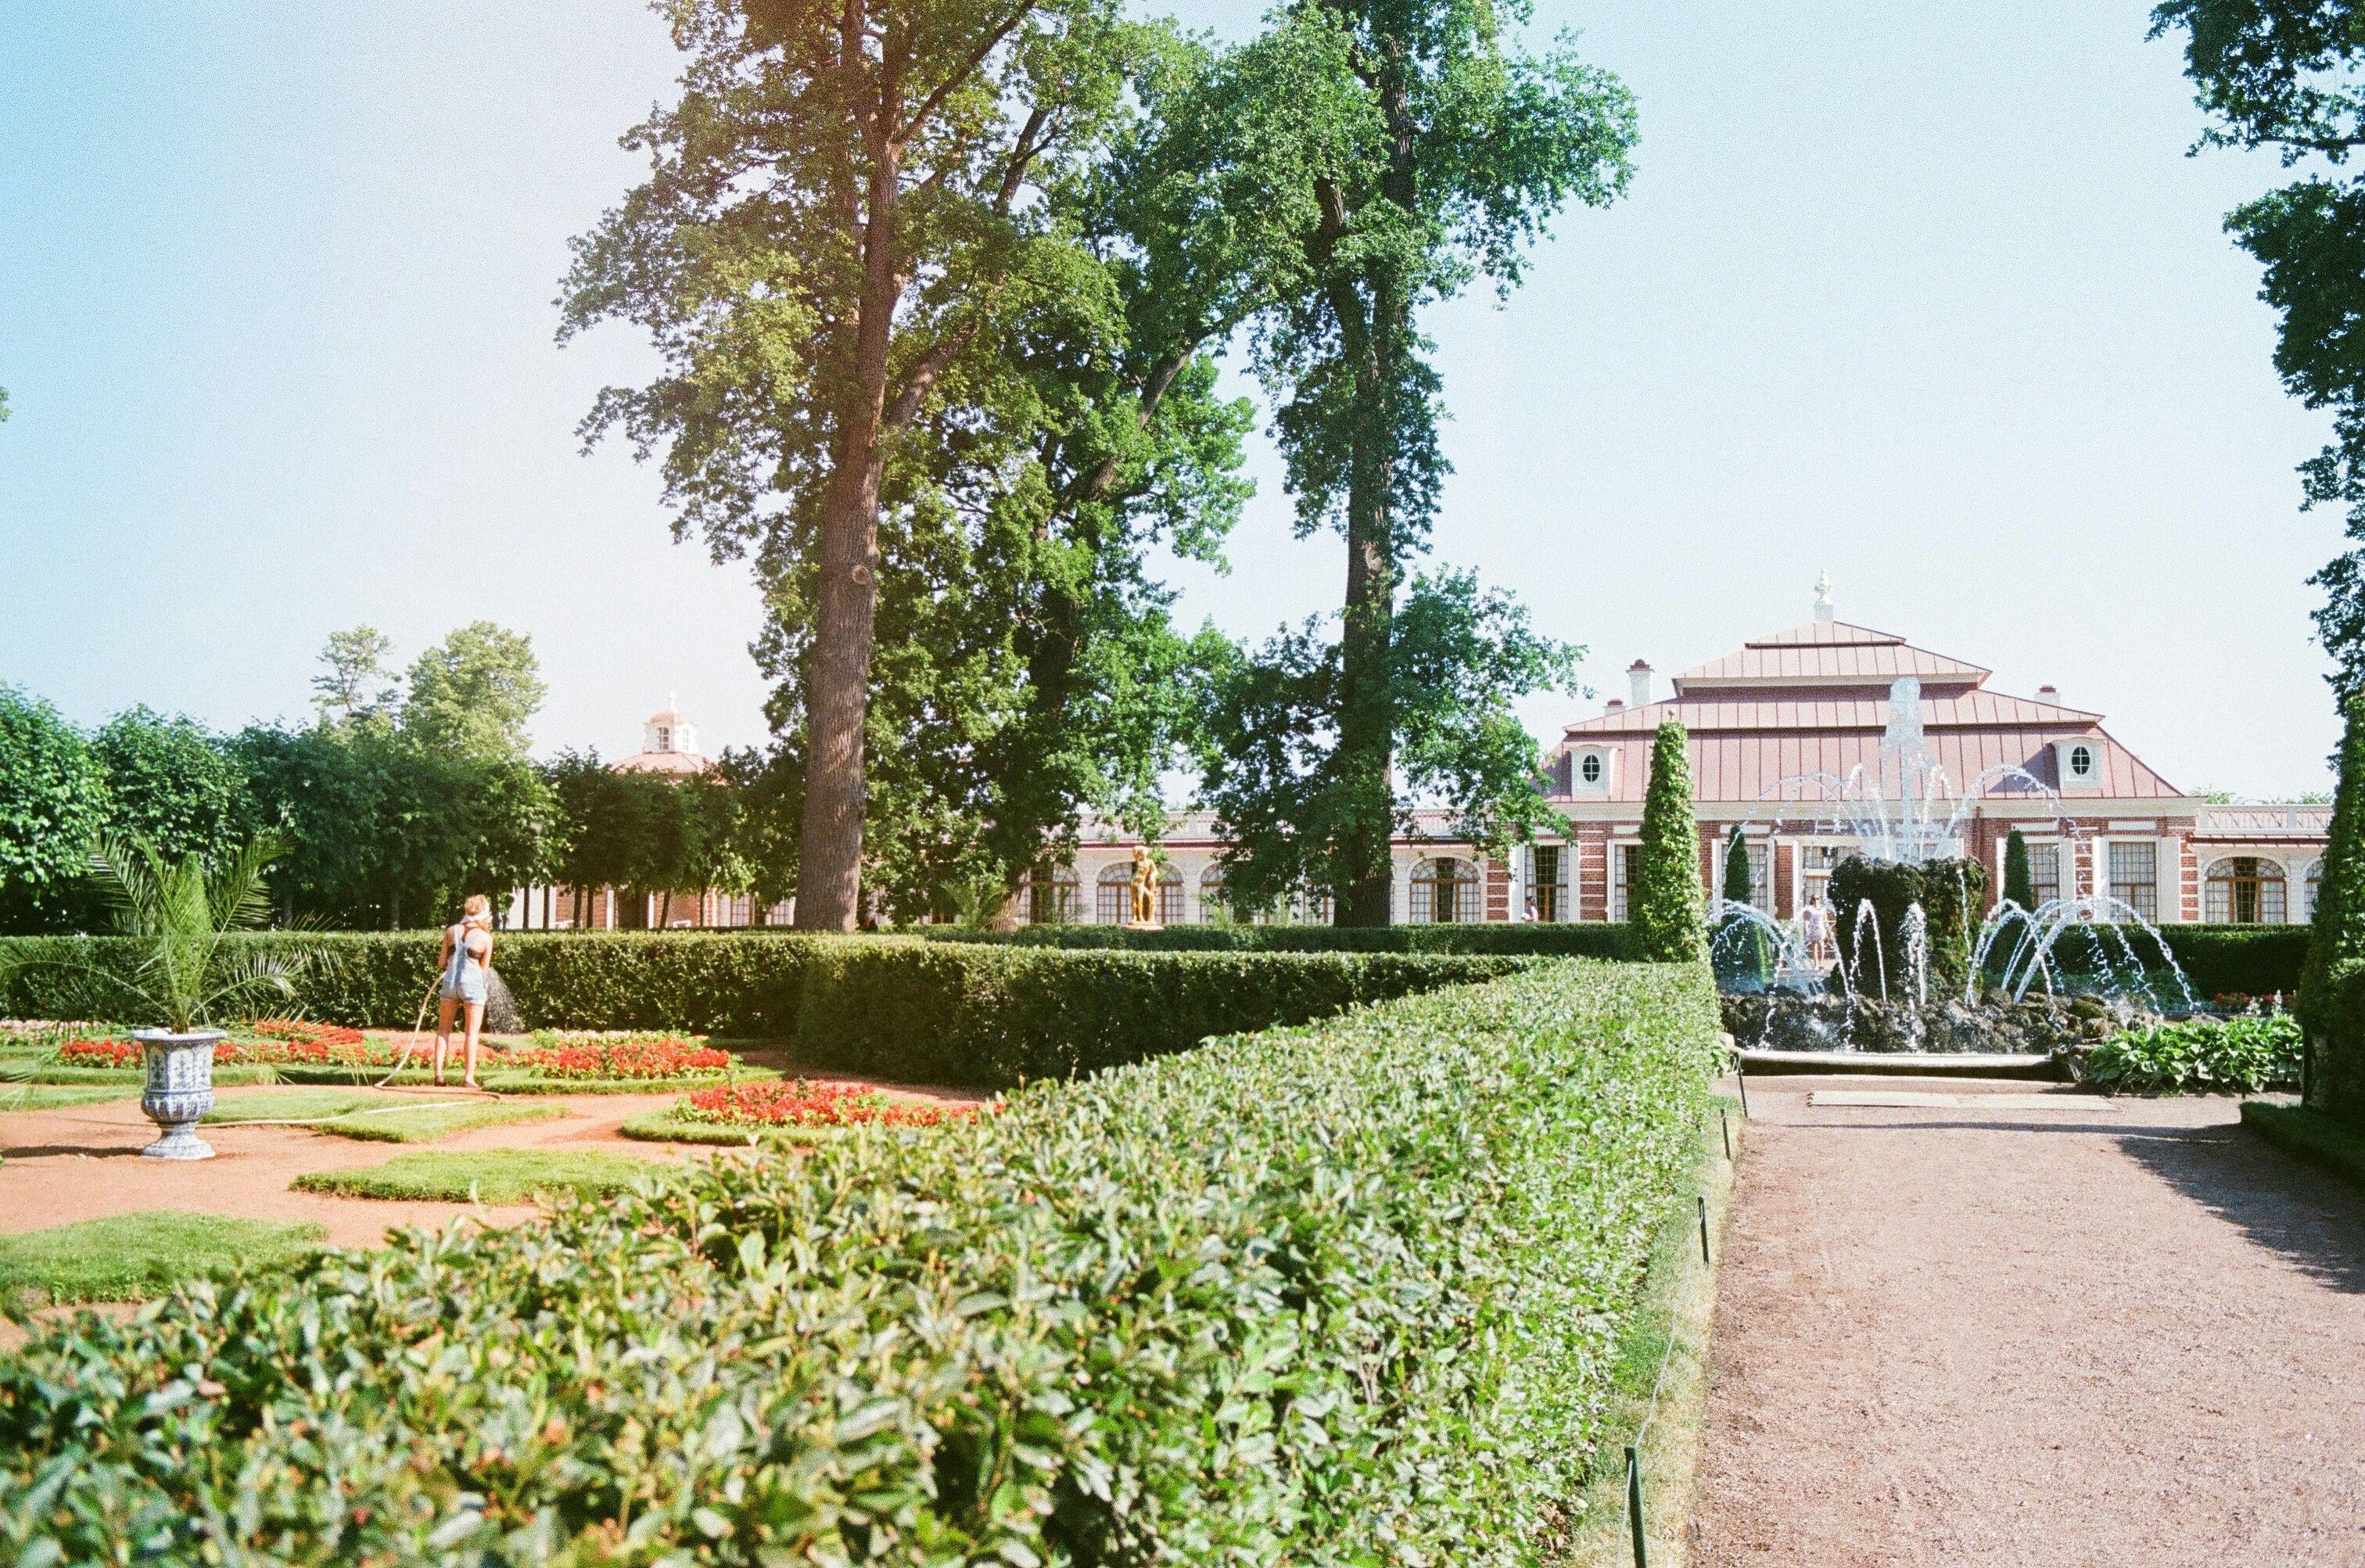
<point>2001,988</point>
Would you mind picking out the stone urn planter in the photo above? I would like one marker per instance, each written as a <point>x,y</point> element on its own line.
<point>180,1090</point>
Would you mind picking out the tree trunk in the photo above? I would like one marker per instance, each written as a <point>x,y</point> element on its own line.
<point>837,683</point>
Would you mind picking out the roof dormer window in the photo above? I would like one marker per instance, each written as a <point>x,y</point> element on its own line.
<point>2080,764</point>
<point>665,737</point>
<point>1591,770</point>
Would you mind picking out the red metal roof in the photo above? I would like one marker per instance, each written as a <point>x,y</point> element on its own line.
<point>1829,653</point>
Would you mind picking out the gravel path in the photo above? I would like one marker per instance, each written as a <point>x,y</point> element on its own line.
<point>2114,1332</point>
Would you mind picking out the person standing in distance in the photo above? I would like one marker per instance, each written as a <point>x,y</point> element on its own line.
<point>467,954</point>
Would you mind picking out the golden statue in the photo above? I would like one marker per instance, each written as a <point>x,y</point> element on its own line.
<point>1145,890</point>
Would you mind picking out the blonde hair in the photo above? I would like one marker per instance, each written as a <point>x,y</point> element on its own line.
<point>477,904</point>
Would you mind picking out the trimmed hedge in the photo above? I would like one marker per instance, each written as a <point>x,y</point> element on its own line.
<point>2320,1140</point>
<point>965,1014</point>
<point>1590,939</point>
<point>2217,960</point>
<point>1344,1293</point>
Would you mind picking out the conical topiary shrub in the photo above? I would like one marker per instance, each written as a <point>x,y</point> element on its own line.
<point>1669,913</point>
<point>2333,1070</point>
<point>2018,881</point>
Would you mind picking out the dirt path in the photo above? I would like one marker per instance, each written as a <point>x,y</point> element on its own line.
<point>2115,1332</point>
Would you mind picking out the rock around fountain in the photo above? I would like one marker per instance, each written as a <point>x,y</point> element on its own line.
<point>1920,978</point>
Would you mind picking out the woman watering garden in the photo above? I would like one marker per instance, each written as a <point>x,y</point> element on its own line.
<point>466,960</point>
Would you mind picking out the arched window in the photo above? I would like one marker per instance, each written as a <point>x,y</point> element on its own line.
<point>1445,889</point>
<point>1211,896</point>
<point>1054,896</point>
<point>1112,895</point>
<point>2245,890</point>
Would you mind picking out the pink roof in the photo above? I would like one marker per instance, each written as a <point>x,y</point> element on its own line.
<point>1815,699</point>
<point>682,762</point>
<point>1829,653</point>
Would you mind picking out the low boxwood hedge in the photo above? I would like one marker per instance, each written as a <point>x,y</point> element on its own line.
<point>1348,1292</point>
<point>944,1013</point>
<point>2217,960</point>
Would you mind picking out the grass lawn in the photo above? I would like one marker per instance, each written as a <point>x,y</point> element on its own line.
<point>517,1082</point>
<point>377,1118</point>
<point>133,1257</point>
<point>489,1176</point>
<point>56,1096</point>
<point>2311,1135</point>
<point>667,1127</point>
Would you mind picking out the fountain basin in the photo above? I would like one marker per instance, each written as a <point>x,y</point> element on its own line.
<point>1908,1064</point>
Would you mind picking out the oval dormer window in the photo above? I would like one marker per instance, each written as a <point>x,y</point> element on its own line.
<point>1589,768</point>
<point>2081,762</point>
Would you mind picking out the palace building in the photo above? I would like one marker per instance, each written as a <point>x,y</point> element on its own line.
<point>1777,727</point>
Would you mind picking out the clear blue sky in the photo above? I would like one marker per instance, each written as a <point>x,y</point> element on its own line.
<point>1930,296</point>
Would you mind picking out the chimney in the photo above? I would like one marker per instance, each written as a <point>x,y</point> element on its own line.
<point>2045,693</point>
<point>1615,705</point>
<point>1638,675</point>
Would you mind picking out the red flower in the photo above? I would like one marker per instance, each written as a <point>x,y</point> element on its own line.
<point>803,1105</point>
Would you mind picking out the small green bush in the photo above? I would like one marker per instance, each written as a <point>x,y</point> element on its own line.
<point>2198,1056</point>
<point>1348,1293</point>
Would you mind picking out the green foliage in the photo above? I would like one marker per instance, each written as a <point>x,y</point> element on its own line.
<point>2198,1056</point>
<point>1191,1311</point>
<point>148,1253</point>
<point>53,801</point>
<point>2336,943</point>
<point>357,686</point>
<point>489,1176</point>
<point>1668,912</point>
<point>475,692</point>
<point>176,963</point>
<point>1294,803</point>
<point>1737,885</point>
<point>2338,1147</point>
<point>2290,74</point>
<point>384,831</point>
<point>2019,877</point>
<point>670,1126</point>
<point>1592,939</point>
<point>1952,894</point>
<point>174,783</point>
<point>2217,960</point>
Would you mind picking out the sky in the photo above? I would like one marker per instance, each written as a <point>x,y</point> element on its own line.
<point>1928,296</point>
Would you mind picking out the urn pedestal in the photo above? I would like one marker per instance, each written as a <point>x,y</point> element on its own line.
<point>180,1090</point>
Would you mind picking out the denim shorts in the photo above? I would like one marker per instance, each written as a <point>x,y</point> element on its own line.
<point>470,989</point>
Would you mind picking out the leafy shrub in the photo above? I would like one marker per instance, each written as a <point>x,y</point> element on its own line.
<point>2198,1056</point>
<point>2257,959</point>
<point>1348,1293</point>
<point>1589,939</point>
<point>1947,891</point>
<point>1670,913</point>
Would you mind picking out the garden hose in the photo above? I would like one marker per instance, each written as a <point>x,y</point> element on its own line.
<point>411,1046</point>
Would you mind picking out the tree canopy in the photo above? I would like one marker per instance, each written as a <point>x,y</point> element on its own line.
<point>475,692</point>
<point>2290,74</point>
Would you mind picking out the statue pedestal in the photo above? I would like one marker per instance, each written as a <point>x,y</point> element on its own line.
<point>1144,926</point>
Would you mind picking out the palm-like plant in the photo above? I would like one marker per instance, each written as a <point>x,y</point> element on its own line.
<point>185,912</point>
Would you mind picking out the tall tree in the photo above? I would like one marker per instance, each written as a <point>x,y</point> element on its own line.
<point>53,803</point>
<point>1431,149</point>
<point>172,783</point>
<point>2290,74</point>
<point>2019,875</point>
<point>2335,1070</point>
<point>475,692</point>
<point>354,683</point>
<point>850,212</point>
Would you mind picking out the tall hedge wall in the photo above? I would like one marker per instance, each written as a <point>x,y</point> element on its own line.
<point>2257,959</point>
<point>1591,939</point>
<point>1343,1293</point>
<point>937,1013</point>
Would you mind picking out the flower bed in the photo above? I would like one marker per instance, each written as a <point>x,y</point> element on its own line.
<point>633,1057</point>
<point>272,1041</point>
<point>803,1105</point>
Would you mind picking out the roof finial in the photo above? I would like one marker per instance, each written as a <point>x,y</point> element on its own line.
<point>1823,596</point>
